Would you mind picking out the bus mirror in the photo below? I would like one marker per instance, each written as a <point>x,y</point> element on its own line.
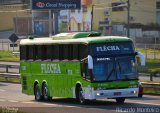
<point>141,58</point>
<point>90,62</point>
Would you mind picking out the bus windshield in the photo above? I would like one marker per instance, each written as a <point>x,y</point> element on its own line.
<point>114,68</point>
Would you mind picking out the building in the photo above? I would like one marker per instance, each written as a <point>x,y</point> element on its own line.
<point>63,20</point>
<point>116,11</point>
<point>76,20</point>
<point>158,11</point>
<point>9,10</point>
<point>107,13</point>
<point>98,15</point>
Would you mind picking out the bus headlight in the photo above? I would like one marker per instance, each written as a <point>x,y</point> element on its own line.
<point>98,94</point>
<point>134,92</point>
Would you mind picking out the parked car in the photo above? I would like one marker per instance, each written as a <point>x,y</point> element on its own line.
<point>140,94</point>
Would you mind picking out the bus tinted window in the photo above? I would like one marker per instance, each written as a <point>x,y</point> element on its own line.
<point>65,52</point>
<point>70,51</point>
<point>55,52</point>
<point>23,52</point>
<point>61,52</point>
<point>38,52</point>
<point>41,52</point>
<point>75,52</point>
<point>83,51</point>
<point>44,52</point>
<point>49,52</point>
<point>30,52</point>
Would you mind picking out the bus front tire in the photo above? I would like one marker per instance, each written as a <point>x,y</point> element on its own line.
<point>120,100</point>
<point>45,92</point>
<point>37,93</point>
<point>80,95</point>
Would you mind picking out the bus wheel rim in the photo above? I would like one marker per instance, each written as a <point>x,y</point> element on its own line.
<point>45,92</point>
<point>37,94</point>
<point>81,97</point>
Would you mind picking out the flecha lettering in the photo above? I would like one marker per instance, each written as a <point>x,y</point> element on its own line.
<point>107,48</point>
<point>50,68</point>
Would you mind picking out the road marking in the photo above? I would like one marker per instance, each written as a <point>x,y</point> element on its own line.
<point>12,101</point>
<point>56,105</point>
<point>2,90</point>
<point>28,102</point>
<point>49,104</point>
<point>144,103</point>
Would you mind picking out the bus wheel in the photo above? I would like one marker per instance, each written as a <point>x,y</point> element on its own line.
<point>120,100</point>
<point>80,95</point>
<point>45,92</point>
<point>37,93</point>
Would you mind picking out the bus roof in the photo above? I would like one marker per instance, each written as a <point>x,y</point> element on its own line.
<point>71,35</point>
<point>74,38</point>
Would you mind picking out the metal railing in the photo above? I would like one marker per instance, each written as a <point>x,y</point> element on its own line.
<point>7,68</point>
<point>9,75</point>
<point>9,71</point>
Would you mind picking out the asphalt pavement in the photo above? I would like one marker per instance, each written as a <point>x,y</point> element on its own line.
<point>11,98</point>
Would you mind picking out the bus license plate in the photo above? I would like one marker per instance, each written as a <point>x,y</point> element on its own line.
<point>117,93</point>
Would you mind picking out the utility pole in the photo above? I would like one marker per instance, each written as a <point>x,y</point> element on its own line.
<point>50,23</point>
<point>92,17</point>
<point>128,20</point>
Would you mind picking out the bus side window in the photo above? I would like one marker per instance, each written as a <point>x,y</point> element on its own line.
<point>49,52</point>
<point>65,52</point>
<point>70,51</point>
<point>82,51</point>
<point>31,52</point>
<point>55,52</point>
<point>38,52</point>
<point>75,52</point>
<point>23,52</point>
<point>44,52</point>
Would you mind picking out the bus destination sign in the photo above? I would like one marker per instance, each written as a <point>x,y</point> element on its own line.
<point>116,48</point>
<point>56,4</point>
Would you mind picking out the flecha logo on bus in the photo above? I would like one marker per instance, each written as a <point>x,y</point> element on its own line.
<point>50,69</point>
<point>107,48</point>
<point>40,4</point>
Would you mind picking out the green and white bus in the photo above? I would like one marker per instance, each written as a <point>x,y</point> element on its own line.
<point>81,65</point>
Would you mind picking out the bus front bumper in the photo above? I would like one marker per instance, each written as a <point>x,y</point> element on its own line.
<point>90,93</point>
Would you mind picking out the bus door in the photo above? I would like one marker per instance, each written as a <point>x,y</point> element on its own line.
<point>85,72</point>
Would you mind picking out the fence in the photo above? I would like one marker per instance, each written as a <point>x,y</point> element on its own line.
<point>8,46</point>
<point>8,68</point>
<point>150,50</point>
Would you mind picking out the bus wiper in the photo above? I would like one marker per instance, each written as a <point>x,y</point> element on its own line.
<point>119,76</point>
<point>110,74</point>
<point>119,67</point>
